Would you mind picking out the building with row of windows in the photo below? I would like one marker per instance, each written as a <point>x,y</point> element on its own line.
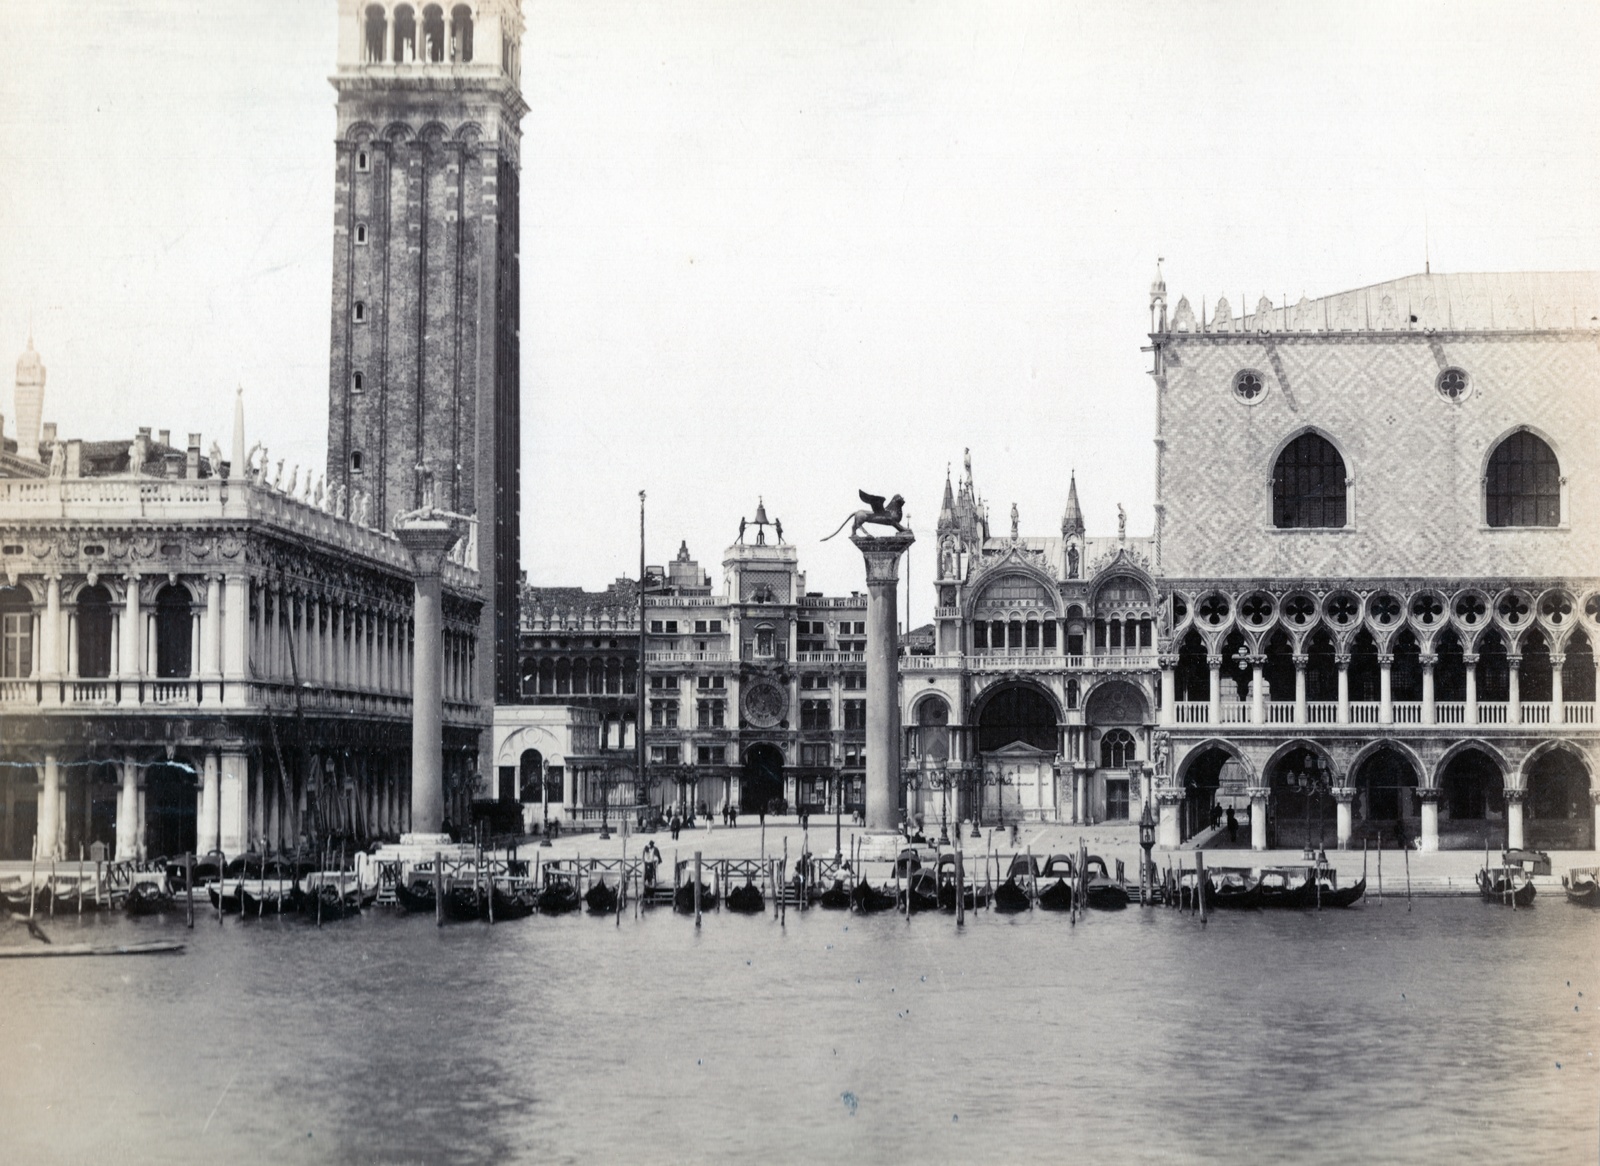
<point>1369,605</point>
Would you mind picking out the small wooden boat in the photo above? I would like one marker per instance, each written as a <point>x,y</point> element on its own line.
<point>416,897</point>
<point>909,862</point>
<point>869,900</point>
<point>1009,898</point>
<point>325,902</point>
<point>683,899</point>
<point>1326,892</point>
<point>1023,866</point>
<point>1102,892</point>
<point>1057,896</point>
<point>1287,887</point>
<point>836,897</point>
<point>510,905</point>
<point>747,899</point>
<point>1234,890</point>
<point>1059,866</point>
<point>1582,884</point>
<point>559,897</point>
<point>145,898</point>
<point>227,893</point>
<point>1509,885</point>
<point>18,900</point>
<point>974,895</point>
<point>148,947</point>
<point>464,903</point>
<point>270,898</point>
<point>601,899</point>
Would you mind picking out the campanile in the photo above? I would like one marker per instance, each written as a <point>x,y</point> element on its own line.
<point>423,376</point>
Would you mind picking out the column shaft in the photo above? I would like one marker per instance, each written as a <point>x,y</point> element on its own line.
<point>206,832</point>
<point>49,811</point>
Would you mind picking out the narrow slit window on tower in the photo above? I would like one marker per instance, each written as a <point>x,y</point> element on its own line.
<point>358,382</point>
<point>359,312</point>
<point>363,161</point>
<point>355,461</point>
<point>361,234</point>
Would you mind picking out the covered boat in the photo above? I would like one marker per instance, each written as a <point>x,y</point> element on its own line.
<point>146,898</point>
<point>1287,887</point>
<point>326,902</point>
<point>1509,885</point>
<point>558,897</point>
<point>923,890</point>
<point>416,896</point>
<point>511,904</point>
<point>1056,896</point>
<point>683,898</point>
<point>746,899</point>
<point>1582,884</point>
<point>1101,891</point>
<point>464,902</point>
<point>836,897</point>
<point>869,899</point>
<point>601,898</point>
<point>1232,888</point>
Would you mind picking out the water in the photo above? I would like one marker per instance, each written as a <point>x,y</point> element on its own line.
<point>1455,1032</point>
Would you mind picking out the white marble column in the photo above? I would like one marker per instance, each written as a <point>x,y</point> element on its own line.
<point>132,650</point>
<point>1342,661</point>
<point>236,637</point>
<point>428,537</point>
<point>1301,710</point>
<point>50,653</point>
<point>1258,817</point>
<point>1471,714</point>
<point>1214,716</point>
<point>1169,832</point>
<point>1385,689</point>
<point>1514,818</point>
<point>1429,709</point>
<point>1342,795</point>
<point>882,557</point>
<point>128,812</point>
<point>1558,698</point>
<point>1258,691</point>
<point>233,801</point>
<point>210,631</point>
<point>1514,705</point>
<point>206,832</point>
<point>49,822</point>
<point>1169,688</point>
<point>1430,819</point>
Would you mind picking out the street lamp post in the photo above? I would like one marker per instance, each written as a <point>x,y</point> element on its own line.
<point>1147,840</point>
<point>544,798</point>
<point>838,815</point>
<point>1312,782</point>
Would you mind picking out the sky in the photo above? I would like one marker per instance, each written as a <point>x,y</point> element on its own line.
<point>783,249</point>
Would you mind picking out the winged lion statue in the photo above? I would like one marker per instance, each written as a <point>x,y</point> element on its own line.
<point>881,514</point>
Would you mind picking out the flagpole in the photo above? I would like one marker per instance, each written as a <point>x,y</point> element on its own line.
<point>638,731</point>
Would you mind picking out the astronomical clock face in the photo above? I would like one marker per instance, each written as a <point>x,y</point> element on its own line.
<point>764,704</point>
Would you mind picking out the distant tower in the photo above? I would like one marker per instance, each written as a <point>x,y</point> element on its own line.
<point>1158,301</point>
<point>425,280</point>
<point>29,401</point>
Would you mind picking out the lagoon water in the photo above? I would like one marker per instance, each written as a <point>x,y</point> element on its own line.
<point>1454,1032</point>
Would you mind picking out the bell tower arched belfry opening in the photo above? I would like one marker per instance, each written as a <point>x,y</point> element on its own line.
<point>423,374</point>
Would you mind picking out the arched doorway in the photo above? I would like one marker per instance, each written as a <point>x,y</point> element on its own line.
<point>169,810</point>
<point>1385,782</point>
<point>761,782</point>
<point>1472,802</point>
<point>174,632</point>
<point>530,767</point>
<point>1299,813</point>
<point>1202,777</point>
<point>1116,713</point>
<point>1017,713</point>
<point>1018,731</point>
<point>1558,813</point>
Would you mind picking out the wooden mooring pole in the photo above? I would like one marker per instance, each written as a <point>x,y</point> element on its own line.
<point>697,888</point>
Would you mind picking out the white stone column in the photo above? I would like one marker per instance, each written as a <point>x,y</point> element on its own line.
<point>206,832</point>
<point>1258,691</point>
<point>128,812</point>
<point>1429,710</point>
<point>882,557</point>
<point>210,631</point>
<point>1301,710</point>
<point>1514,704</point>
<point>1214,716</point>
<point>428,536</point>
<point>50,654</point>
<point>1514,799</point>
<point>1258,816</point>
<point>1430,819</point>
<point>1594,796</point>
<point>1558,698</point>
<point>1169,689</point>
<point>1169,832</point>
<point>48,822</point>
<point>233,801</point>
<point>132,651</point>
<point>1342,795</point>
<point>1342,661</point>
<point>236,636</point>
<point>1471,715</point>
<point>1385,689</point>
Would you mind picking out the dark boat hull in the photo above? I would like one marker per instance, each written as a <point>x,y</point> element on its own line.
<point>506,907</point>
<point>683,899</point>
<point>559,899</point>
<point>1106,896</point>
<point>144,899</point>
<point>1056,897</point>
<point>1495,889</point>
<point>1234,898</point>
<point>271,903</point>
<point>601,899</point>
<point>746,900</point>
<point>1585,894</point>
<point>869,900</point>
<point>416,898</point>
<point>327,904</point>
<point>1010,899</point>
<point>230,899</point>
<point>1340,897</point>
<point>836,897</point>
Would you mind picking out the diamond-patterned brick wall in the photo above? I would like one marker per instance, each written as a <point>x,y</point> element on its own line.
<point>1416,458</point>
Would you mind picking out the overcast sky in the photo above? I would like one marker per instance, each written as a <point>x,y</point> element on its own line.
<point>781,248</point>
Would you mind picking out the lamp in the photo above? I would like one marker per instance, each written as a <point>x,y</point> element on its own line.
<point>1147,840</point>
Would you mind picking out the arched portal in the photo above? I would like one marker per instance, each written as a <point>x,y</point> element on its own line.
<point>530,766</point>
<point>1202,777</point>
<point>1557,812</point>
<point>1301,808</point>
<point>169,807</point>
<point>1014,713</point>
<point>761,783</point>
<point>1384,783</point>
<point>933,733</point>
<point>1471,801</point>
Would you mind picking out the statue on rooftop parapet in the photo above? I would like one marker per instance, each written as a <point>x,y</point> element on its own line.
<point>881,514</point>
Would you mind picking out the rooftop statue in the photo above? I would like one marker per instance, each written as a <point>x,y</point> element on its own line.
<point>881,514</point>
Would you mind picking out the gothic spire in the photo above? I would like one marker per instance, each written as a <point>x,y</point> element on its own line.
<point>1072,520</point>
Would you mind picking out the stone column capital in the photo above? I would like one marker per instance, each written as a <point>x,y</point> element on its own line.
<point>1557,659</point>
<point>1301,661</point>
<point>1515,796</point>
<point>1429,659</point>
<point>1344,794</point>
<point>1214,661</point>
<point>1385,659</point>
<point>1254,792</point>
<point>1257,659</point>
<point>1470,659</point>
<point>428,535</point>
<point>1514,660</point>
<point>1428,794</point>
<point>1341,659</point>
<point>882,554</point>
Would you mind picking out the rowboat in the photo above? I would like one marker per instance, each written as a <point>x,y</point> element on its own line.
<point>1508,885</point>
<point>1582,885</point>
<point>148,947</point>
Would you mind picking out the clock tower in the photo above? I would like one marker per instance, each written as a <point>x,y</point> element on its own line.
<point>423,376</point>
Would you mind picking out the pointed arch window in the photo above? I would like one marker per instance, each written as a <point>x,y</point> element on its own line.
<point>1308,485</point>
<point>1523,485</point>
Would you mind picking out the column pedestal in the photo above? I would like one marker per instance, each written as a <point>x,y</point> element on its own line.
<point>1514,819</point>
<point>428,535</point>
<point>1258,817</point>
<point>1430,820</point>
<point>882,555</point>
<point>1169,832</point>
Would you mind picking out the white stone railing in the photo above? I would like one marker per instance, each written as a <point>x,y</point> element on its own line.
<point>1235,712</point>
<point>1322,712</point>
<point>1191,712</point>
<point>664,657</point>
<point>1364,712</point>
<point>1280,712</point>
<point>830,657</point>
<point>19,692</point>
<point>1579,712</point>
<point>1493,712</point>
<point>169,692</point>
<point>929,663</point>
<point>1450,712</point>
<point>1535,712</point>
<point>1406,712</point>
<point>90,692</point>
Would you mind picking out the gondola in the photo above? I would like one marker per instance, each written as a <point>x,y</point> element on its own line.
<point>326,903</point>
<point>229,896</point>
<point>923,891</point>
<point>1057,896</point>
<point>683,899</point>
<point>1009,898</point>
<point>909,862</point>
<point>1331,896</point>
<point>1102,892</point>
<point>146,899</point>
<point>1582,884</point>
<point>509,905</point>
<point>559,897</point>
<point>747,900</point>
<point>974,895</point>
<point>1233,890</point>
<point>1287,888</point>
<point>1059,866</point>
<point>836,897</point>
<point>416,897</point>
<point>18,900</point>
<point>1508,885</point>
<point>205,871</point>
<point>464,903</point>
<point>601,899</point>
<point>271,899</point>
<point>869,900</point>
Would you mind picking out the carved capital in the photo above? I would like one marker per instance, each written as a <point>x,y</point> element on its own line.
<point>1514,662</point>
<point>1515,796</point>
<point>1257,660</point>
<point>1470,659</point>
<point>1344,794</point>
<point>1257,792</point>
<point>1342,659</point>
<point>1214,661</point>
<point>1428,794</point>
<point>1385,659</point>
<point>1557,659</point>
<point>1300,662</point>
<point>882,555</point>
<point>1429,659</point>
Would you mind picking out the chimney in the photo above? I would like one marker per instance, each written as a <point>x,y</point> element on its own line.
<point>48,437</point>
<point>191,464</point>
<point>163,437</point>
<point>74,458</point>
<point>140,452</point>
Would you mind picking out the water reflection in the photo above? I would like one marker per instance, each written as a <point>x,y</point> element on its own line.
<point>1373,1034</point>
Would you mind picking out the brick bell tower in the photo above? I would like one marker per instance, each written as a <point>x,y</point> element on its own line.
<point>424,368</point>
